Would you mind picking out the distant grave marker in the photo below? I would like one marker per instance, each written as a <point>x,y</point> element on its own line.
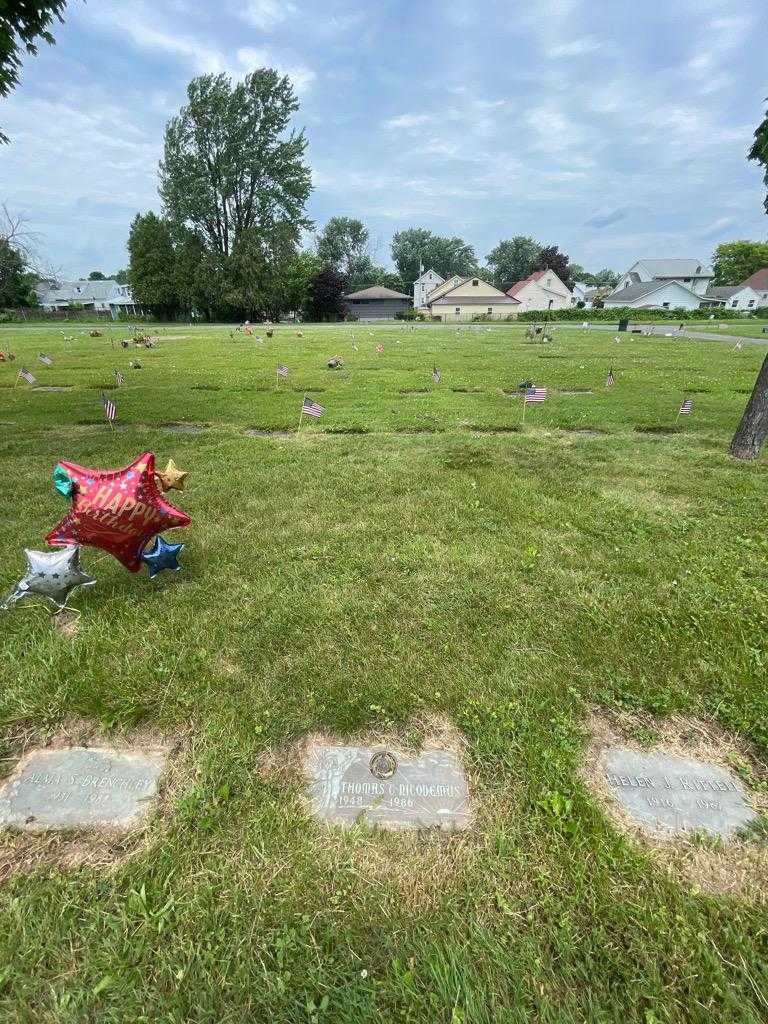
<point>662,792</point>
<point>385,788</point>
<point>80,787</point>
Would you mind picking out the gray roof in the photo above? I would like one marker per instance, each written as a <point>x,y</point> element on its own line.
<point>638,291</point>
<point>723,291</point>
<point>677,268</point>
<point>376,292</point>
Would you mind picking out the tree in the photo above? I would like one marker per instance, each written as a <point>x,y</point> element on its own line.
<point>151,271</point>
<point>417,247</point>
<point>759,152</point>
<point>325,295</point>
<point>230,164</point>
<point>550,258</point>
<point>604,278</point>
<point>753,429</point>
<point>121,277</point>
<point>513,259</point>
<point>16,282</point>
<point>21,25</point>
<point>734,262</point>
<point>344,244</point>
<point>96,275</point>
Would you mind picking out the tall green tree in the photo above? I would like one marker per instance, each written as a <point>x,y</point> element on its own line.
<point>513,259</point>
<point>16,281</point>
<point>96,275</point>
<point>152,266</point>
<point>22,24</point>
<point>326,289</point>
<point>759,152</point>
<point>418,246</point>
<point>734,262</point>
<point>231,165</point>
<point>344,245</point>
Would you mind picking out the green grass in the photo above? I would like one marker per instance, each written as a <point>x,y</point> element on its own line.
<point>407,554</point>
<point>750,329</point>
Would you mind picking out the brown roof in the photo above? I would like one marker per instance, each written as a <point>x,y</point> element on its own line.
<point>758,281</point>
<point>376,292</point>
<point>518,285</point>
<point>474,300</point>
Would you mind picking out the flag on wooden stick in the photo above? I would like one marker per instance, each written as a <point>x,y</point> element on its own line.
<point>435,375</point>
<point>610,380</point>
<point>27,376</point>
<point>110,409</point>
<point>686,408</point>
<point>119,378</point>
<point>311,408</point>
<point>282,371</point>
<point>45,360</point>
<point>536,395</point>
<point>379,349</point>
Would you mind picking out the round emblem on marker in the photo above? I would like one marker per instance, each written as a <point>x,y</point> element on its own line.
<point>383,764</point>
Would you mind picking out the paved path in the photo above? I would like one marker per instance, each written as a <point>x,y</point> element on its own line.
<point>663,330</point>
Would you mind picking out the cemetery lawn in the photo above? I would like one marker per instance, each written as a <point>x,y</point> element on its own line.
<point>411,556</point>
<point>737,328</point>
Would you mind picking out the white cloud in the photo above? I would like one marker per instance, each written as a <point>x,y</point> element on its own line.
<point>249,59</point>
<point>265,14</point>
<point>576,48</point>
<point>406,121</point>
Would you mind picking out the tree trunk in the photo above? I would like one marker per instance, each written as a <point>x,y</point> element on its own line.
<point>753,429</point>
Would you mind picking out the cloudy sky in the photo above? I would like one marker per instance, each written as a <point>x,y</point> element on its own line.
<point>614,129</point>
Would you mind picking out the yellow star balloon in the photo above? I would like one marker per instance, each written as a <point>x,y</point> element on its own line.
<point>172,477</point>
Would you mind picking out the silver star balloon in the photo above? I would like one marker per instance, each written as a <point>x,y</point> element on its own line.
<point>51,574</point>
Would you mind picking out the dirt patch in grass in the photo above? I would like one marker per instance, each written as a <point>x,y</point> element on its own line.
<point>206,387</point>
<point>697,391</point>
<point>738,867</point>
<point>493,429</point>
<point>260,432</point>
<point>56,387</point>
<point>468,391</point>
<point>183,428</point>
<point>101,848</point>
<point>419,430</point>
<point>347,430</point>
<point>742,391</point>
<point>309,391</point>
<point>659,430</point>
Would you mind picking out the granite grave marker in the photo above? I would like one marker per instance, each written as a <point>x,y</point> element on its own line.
<point>79,787</point>
<point>665,793</point>
<point>387,788</point>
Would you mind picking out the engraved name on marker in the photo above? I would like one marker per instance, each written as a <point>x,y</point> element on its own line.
<point>428,789</point>
<point>665,793</point>
<point>80,787</point>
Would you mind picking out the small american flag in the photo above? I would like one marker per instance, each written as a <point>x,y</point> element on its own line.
<point>119,378</point>
<point>536,395</point>
<point>45,360</point>
<point>739,345</point>
<point>610,380</point>
<point>27,376</point>
<point>435,375</point>
<point>282,371</point>
<point>311,408</point>
<point>686,407</point>
<point>379,349</point>
<point>110,409</point>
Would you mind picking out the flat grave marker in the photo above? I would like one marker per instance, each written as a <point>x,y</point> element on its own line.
<point>80,787</point>
<point>387,788</point>
<point>666,793</point>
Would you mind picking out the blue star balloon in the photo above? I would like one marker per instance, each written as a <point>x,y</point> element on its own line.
<point>162,556</point>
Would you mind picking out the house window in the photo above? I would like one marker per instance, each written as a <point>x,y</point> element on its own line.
<point>686,280</point>
<point>549,282</point>
<point>751,302</point>
<point>665,305</point>
<point>490,310</point>
<point>457,311</point>
<point>734,304</point>
<point>698,270</point>
<point>475,283</point>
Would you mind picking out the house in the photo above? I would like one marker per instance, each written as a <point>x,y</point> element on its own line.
<point>579,292</point>
<point>541,290</point>
<point>656,295</point>
<point>100,296</point>
<point>738,296</point>
<point>759,282</point>
<point>376,303</point>
<point>462,299</point>
<point>692,273</point>
<point>423,285</point>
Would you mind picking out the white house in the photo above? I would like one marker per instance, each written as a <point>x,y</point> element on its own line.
<point>739,296</point>
<point>423,285</point>
<point>541,290</point>
<point>656,295</point>
<point>692,273</point>
<point>101,296</point>
<point>759,282</point>
<point>467,298</point>
<point>578,292</point>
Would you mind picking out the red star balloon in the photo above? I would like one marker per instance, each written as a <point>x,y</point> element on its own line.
<point>118,510</point>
